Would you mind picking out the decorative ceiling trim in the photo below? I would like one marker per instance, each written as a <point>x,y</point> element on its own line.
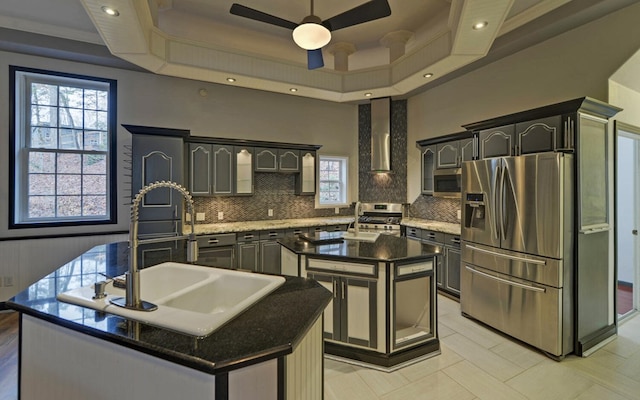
<point>132,36</point>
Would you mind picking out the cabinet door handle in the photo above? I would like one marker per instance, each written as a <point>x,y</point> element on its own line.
<point>335,290</point>
<point>342,287</point>
<point>213,241</point>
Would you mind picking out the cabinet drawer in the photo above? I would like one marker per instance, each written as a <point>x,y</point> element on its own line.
<point>408,269</point>
<point>343,267</point>
<point>224,239</point>
<point>296,231</point>
<point>452,240</point>
<point>272,234</point>
<point>414,233</point>
<point>433,236</point>
<point>247,236</point>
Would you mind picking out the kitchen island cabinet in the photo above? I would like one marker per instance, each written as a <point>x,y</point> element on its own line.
<point>273,350</point>
<point>383,309</point>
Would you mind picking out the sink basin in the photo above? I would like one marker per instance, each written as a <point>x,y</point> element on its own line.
<point>361,236</point>
<point>191,299</point>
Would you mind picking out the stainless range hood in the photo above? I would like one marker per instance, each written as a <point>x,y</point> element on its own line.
<point>381,135</point>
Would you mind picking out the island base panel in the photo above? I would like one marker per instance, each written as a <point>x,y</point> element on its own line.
<point>384,361</point>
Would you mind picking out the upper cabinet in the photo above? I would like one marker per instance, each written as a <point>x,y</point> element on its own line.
<point>226,167</point>
<point>452,154</point>
<point>496,142</point>
<point>306,179</point>
<point>535,136</point>
<point>277,160</point>
<point>428,161</point>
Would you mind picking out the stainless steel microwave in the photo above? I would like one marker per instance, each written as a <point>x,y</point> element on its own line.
<point>446,182</point>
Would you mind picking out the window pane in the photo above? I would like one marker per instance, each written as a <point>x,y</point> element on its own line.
<point>94,164</point>
<point>90,99</point>
<point>40,184</point>
<point>69,184</point>
<point>69,206</point>
<point>44,94</point>
<point>42,162</point>
<point>69,163</point>
<point>94,205</point>
<point>44,116</point>
<point>70,118</point>
<point>70,139</point>
<point>94,184</point>
<point>103,101</point>
<point>42,206</point>
<point>71,97</point>
<point>44,138</point>
<point>95,140</point>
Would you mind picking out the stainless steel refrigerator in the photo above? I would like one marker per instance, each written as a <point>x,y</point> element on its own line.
<point>517,250</point>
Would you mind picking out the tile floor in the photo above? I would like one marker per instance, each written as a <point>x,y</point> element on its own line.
<point>477,363</point>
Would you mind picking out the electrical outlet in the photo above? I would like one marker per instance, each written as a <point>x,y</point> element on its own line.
<point>270,212</point>
<point>337,210</point>
<point>459,214</point>
<point>8,281</point>
<point>199,216</point>
<point>220,215</point>
<point>187,216</point>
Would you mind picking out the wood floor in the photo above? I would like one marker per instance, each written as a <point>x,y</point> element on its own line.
<point>476,364</point>
<point>8,355</point>
<point>625,299</point>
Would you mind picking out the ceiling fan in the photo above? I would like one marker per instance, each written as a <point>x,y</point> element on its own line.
<point>313,33</point>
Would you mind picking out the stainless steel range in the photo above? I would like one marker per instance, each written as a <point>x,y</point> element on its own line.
<point>381,217</point>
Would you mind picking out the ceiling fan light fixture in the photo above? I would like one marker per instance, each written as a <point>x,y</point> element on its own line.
<point>310,34</point>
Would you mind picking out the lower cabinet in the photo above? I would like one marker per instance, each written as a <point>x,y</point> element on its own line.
<point>351,317</point>
<point>217,250</point>
<point>259,251</point>
<point>447,264</point>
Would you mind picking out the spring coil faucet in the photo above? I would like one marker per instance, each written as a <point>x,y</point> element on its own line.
<point>132,298</point>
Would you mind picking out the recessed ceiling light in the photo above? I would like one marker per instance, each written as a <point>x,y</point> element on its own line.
<point>480,25</point>
<point>427,75</point>
<point>110,11</point>
<point>368,94</point>
<point>293,89</point>
<point>231,80</point>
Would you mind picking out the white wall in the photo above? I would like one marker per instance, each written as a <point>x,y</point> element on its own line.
<point>575,64</point>
<point>154,100</point>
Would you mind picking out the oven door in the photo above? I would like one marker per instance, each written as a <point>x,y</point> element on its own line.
<point>447,182</point>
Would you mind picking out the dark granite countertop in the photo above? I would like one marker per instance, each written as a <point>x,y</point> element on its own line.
<point>269,329</point>
<point>385,248</point>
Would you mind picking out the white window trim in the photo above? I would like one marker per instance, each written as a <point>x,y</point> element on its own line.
<point>345,179</point>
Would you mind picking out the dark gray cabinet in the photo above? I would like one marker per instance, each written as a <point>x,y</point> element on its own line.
<point>452,154</point>
<point>351,316</point>
<point>157,158</point>
<point>217,250</point>
<point>535,136</point>
<point>259,251</point>
<point>277,160</point>
<point>447,264</point>
<point>220,170</point>
<point>428,164</point>
<point>248,251</point>
<point>497,142</point>
<point>539,135</point>
<point>306,179</point>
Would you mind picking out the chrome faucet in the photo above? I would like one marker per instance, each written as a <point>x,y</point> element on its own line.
<point>356,223</point>
<point>132,298</point>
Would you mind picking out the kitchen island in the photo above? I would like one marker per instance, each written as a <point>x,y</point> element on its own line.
<point>272,350</point>
<point>383,311</point>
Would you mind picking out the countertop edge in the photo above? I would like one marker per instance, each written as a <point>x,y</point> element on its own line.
<point>438,226</point>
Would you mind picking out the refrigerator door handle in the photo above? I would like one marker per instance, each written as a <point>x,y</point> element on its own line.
<point>506,281</point>
<point>501,197</point>
<point>496,209</point>
<point>514,258</point>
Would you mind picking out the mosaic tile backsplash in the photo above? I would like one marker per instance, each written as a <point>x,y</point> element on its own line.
<point>271,191</point>
<point>383,188</point>
<point>435,208</point>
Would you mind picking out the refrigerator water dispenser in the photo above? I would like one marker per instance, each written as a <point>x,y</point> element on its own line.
<point>474,211</point>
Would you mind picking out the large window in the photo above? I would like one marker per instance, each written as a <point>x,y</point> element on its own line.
<point>333,181</point>
<point>63,149</point>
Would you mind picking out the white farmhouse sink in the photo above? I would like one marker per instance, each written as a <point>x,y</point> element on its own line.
<point>361,236</point>
<point>191,299</point>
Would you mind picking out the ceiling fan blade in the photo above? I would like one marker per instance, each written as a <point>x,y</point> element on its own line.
<point>369,11</point>
<point>314,59</point>
<point>243,11</point>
